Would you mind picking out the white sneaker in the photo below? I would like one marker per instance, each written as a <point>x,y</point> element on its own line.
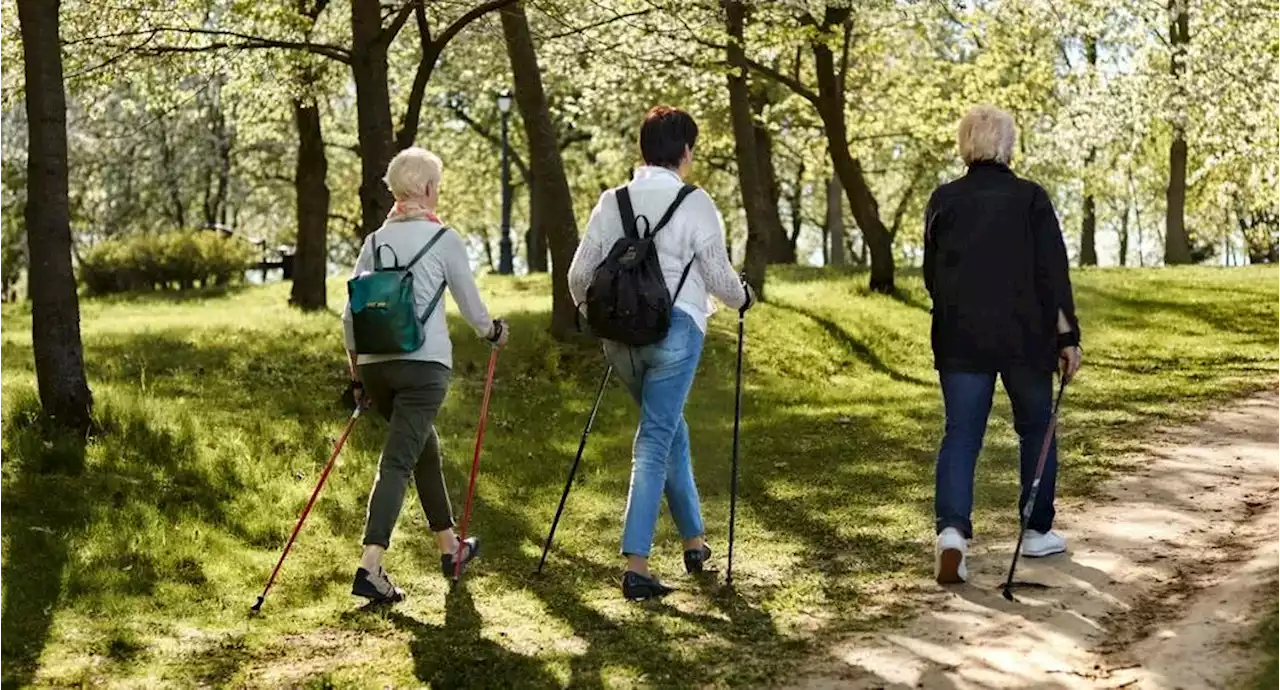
<point>1038,544</point>
<point>949,567</point>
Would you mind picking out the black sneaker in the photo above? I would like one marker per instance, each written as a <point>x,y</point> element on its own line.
<point>695,559</point>
<point>376,587</point>
<point>637,587</point>
<point>471,551</point>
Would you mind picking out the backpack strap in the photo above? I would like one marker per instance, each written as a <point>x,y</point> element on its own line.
<point>683,277</point>
<point>377,252</point>
<point>431,306</point>
<point>628,212</point>
<point>426,248</point>
<point>671,210</point>
<point>434,301</point>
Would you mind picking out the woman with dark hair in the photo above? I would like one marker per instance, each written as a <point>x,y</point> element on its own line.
<point>996,268</point>
<point>695,265</point>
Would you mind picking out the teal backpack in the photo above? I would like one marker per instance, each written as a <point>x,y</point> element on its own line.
<point>384,316</point>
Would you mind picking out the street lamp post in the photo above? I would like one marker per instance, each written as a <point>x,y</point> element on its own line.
<point>505,266</point>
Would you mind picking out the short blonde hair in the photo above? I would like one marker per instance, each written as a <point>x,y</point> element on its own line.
<point>986,133</point>
<point>412,172</point>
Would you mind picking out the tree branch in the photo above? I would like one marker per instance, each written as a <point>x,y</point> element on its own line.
<point>492,138</point>
<point>246,41</point>
<point>596,25</point>
<point>431,50</point>
<point>388,34</point>
<point>795,85</point>
<point>461,22</point>
<point>314,13</point>
<point>907,193</point>
<point>424,28</point>
<point>573,137</point>
<point>349,148</point>
<point>844,56</point>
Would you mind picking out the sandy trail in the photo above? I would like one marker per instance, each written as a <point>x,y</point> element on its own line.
<point>1166,571</point>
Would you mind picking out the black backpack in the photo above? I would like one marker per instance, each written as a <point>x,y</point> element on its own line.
<point>628,301</point>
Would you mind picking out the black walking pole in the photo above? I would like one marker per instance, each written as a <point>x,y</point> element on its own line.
<point>573,469</point>
<point>1031,495</point>
<point>737,423</point>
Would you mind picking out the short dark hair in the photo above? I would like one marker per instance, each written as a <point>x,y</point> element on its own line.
<point>664,134</point>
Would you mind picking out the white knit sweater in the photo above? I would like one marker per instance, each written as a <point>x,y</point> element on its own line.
<point>695,233</point>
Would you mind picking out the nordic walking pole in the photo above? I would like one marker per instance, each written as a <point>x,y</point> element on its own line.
<point>573,469</point>
<point>475,465</point>
<point>737,424</point>
<point>355,415</point>
<point>1035,489</point>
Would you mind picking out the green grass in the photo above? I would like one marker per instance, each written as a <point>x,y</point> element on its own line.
<point>132,560</point>
<point>1264,646</point>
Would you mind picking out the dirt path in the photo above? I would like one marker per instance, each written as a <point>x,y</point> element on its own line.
<point>1165,573</point>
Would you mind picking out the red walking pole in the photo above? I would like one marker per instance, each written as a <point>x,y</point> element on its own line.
<point>355,415</point>
<point>475,466</point>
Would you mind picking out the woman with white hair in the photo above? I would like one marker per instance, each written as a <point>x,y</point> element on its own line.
<point>996,268</point>
<point>408,388</point>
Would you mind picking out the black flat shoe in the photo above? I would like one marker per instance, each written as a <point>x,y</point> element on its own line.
<point>376,587</point>
<point>696,559</point>
<point>470,551</point>
<point>637,587</point>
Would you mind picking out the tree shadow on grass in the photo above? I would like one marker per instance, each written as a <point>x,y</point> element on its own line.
<point>667,645</point>
<point>854,346</point>
<point>57,489</point>
<point>190,295</point>
<point>43,518</point>
<point>455,655</point>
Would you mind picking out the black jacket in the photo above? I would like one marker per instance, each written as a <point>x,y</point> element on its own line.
<point>996,268</point>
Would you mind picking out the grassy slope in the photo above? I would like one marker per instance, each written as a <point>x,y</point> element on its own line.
<point>135,560</point>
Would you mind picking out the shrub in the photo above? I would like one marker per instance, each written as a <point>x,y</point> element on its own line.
<point>161,262</point>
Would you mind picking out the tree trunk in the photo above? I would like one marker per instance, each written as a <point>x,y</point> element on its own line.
<point>311,254</point>
<point>172,180</point>
<point>550,194</point>
<point>1177,245</point>
<point>1137,225</point>
<point>535,248</point>
<point>835,223</point>
<point>755,191</point>
<point>55,308</point>
<point>1124,234</point>
<point>1088,229</point>
<point>866,211</point>
<point>797,209</point>
<point>781,250</point>
<point>1089,223</point>
<point>375,132</point>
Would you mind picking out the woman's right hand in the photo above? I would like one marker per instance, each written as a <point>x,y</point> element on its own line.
<point>498,333</point>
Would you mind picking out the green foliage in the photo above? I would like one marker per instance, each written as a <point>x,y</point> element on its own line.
<point>132,560</point>
<point>160,262</point>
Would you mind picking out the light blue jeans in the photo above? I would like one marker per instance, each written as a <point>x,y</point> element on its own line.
<point>659,377</point>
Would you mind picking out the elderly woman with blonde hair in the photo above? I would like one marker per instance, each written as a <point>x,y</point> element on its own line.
<point>995,266</point>
<point>408,388</point>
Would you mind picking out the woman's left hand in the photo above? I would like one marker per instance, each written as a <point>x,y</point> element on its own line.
<point>1069,359</point>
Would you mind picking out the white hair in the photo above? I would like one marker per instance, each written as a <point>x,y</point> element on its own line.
<point>986,133</point>
<point>412,172</point>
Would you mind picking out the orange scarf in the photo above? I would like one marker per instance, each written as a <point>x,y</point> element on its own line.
<point>411,209</point>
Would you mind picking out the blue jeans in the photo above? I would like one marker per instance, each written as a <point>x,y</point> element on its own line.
<point>967,398</point>
<point>659,377</point>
